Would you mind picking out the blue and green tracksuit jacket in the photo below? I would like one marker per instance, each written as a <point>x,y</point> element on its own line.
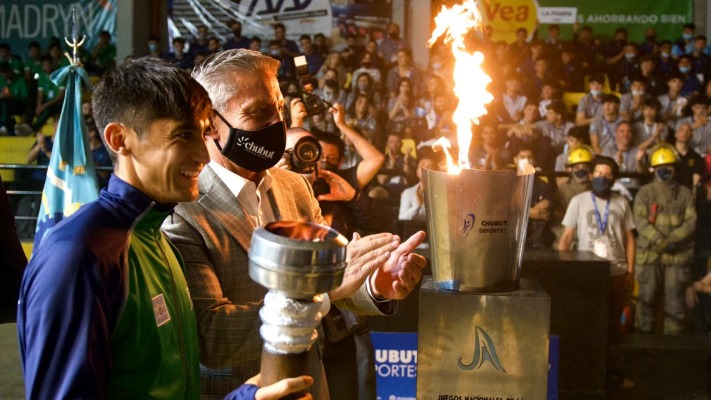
<point>104,308</point>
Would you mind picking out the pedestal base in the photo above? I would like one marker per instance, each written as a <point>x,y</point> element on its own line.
<point>483,345</point>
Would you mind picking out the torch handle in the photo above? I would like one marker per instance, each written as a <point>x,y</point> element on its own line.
<point>275,367</point>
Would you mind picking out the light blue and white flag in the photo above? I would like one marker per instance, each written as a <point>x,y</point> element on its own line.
<point>71,178</point>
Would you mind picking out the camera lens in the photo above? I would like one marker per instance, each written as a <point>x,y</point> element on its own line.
<point>307,150</point>
<point>305,154</point>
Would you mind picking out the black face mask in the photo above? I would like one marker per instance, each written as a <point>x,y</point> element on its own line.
<point>237,32</point>
<point>580,174</point>
<point>255,151</point>
<point>601,186</point>
<point>665,174</point>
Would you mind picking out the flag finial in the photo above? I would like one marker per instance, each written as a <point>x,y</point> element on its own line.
<point>76,42</point>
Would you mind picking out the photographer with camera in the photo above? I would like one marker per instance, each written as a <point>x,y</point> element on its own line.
<point>348,353</point>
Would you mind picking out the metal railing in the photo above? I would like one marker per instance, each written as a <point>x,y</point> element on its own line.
<point>20,167</point>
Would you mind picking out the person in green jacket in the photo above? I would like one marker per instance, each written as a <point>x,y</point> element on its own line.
<point>104,310</point>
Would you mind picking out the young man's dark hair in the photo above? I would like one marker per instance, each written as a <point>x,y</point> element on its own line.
<point>597,77</point>
<point>582,133</point>
<point>612,98</point>
<point>141,92</point>
<point>610,162</point>
<point>652,103</point>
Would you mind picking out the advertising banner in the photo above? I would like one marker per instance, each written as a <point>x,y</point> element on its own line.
<point>604,16</point>
<point>24,21</point>
<point>395,365</point>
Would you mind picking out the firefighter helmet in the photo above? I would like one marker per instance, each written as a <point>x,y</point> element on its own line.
<point>580,154</point>
<point>663,154</point>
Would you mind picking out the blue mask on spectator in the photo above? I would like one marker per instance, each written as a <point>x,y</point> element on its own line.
<point>665,54</point>
<point>629,56</point>
<point>581,173</point>
<point>665,174</point>
<point>595,92</point>
<point>684,70</point>
<point>601,186</point>
<point>687,36</point>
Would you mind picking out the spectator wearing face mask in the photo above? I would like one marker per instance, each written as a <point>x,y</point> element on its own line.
<point>632,102</point>
<point>604,125</point>
<point>237,41</point>
<point>555,126</point>
<point>538,232</point>
<point>364,86</point>
<point>629,67</point>
<point>153,47</point>
<point>178,56</point>
<point>366,66</point>
<point>577,136</point>
<point>604,224</point>
<point>690,168</point>
<point>685,44</point>
<point>665,62</point>
<point>672,102</point>
<point>699,122</point>
<point>650,130</point>
<point>590,104</point>
<point>615,54</point>
<point>666,220</point>
<point>692,84</point>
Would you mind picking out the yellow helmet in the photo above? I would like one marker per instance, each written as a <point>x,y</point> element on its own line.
<point>663,154</point>
<point>580,154</point>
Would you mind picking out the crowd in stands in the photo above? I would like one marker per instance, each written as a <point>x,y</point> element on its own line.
<point>623,98</point>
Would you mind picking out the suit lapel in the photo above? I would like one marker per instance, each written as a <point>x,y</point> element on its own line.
<point>219,201</point>
<point>285,206</point>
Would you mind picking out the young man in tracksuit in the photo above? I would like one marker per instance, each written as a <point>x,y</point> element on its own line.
<point>104,308</point>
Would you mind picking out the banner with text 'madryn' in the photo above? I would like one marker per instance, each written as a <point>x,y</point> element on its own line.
<point>24,21</point>
<point>604,16</point>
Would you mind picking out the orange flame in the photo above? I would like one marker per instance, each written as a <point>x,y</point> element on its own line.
<point>470,80</point>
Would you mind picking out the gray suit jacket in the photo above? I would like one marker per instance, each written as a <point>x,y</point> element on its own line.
<point>213,235</point>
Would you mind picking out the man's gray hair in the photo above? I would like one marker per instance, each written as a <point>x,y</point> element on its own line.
<point>218,72</point>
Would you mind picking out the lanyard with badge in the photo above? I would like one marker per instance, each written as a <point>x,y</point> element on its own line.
<point>600,244</point>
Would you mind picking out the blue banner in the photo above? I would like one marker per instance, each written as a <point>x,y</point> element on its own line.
<point>24,21</point>
<point>395,365</point>
<point>71,178</point>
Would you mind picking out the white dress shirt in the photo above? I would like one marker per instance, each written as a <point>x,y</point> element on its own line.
<point>253,198</point>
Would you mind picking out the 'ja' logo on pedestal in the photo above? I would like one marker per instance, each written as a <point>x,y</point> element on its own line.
<point>484,350</point>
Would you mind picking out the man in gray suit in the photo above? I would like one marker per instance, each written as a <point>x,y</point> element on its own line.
<point>240,190</point>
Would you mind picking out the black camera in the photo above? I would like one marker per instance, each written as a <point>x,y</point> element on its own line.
<point>313,103</point>
<point>305,154</point>
<point>320,186</point>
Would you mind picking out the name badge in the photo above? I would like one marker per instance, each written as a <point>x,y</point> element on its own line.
<point>600,248</point>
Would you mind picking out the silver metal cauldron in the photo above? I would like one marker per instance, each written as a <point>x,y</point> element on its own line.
<point>477,227</point>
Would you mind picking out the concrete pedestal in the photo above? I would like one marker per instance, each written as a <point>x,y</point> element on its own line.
<point>483,346</point>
